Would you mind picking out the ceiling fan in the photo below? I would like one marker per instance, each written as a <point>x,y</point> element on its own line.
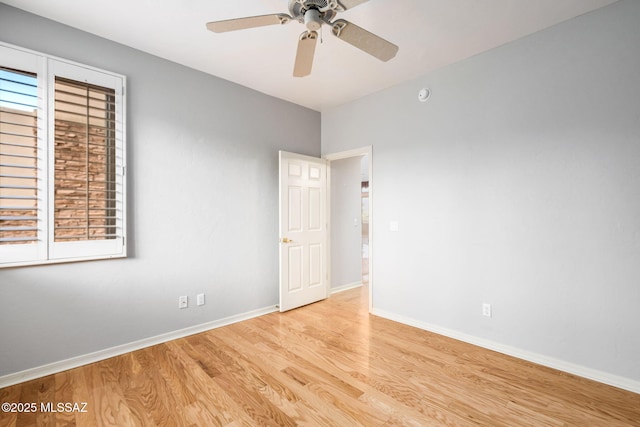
<point>313,14</point>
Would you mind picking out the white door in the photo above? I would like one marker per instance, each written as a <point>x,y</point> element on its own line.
<point>303,230</point>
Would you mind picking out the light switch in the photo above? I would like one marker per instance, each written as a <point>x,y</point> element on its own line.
<point>393,226</point>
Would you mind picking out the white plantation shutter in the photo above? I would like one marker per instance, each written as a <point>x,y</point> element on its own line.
<point>87,161</point>
<point>23,200</point>
<point>18,157</point>
<point>84,162</point>
<point>62,162</point>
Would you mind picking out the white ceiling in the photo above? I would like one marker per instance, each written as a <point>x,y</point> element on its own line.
<point>430,34</point>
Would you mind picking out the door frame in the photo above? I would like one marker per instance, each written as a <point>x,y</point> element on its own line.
<point>356,152</point>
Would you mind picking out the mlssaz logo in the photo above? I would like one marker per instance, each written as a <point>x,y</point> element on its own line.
<point>63,407</point>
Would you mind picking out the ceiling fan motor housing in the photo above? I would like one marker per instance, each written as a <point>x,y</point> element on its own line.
<point>313,13</point>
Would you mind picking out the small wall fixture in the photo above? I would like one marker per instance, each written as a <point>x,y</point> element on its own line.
<point>424,94</point>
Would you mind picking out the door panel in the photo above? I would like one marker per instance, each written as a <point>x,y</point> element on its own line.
<point>314,209</point>
<point>315,265</point>
<point>295,266</point>
<point>295,209</point>
<point>303,230</point>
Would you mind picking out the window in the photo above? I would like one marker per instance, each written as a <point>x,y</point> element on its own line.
<point>62,160</point>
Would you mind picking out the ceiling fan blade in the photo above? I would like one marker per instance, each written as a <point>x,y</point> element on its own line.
<point>304,57</point>
<point>350,4</point>
<point>364,40</point>
<point>249,22</point>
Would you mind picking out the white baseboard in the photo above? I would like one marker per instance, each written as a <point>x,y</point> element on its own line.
<point>561,365</point>
<point>63,365</point>
<point>74,362</point>
<point>343,288</point>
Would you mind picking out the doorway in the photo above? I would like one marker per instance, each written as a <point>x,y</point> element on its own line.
<point>350,209</point>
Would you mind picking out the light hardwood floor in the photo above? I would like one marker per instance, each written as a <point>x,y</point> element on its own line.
<point>327,364</point>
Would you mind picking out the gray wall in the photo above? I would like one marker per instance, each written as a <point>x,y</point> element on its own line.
<point>203,212</point>
<point>346,222</point>
<point>516,184</point>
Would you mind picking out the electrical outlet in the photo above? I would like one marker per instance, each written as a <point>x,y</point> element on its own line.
<point>486,310</point>
<point>200,299</point>
<point>183,302</point>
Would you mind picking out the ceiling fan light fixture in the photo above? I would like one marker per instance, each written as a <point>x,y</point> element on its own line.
<point>312,20</point>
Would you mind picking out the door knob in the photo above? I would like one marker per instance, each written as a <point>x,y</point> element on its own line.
<point>286,240</point>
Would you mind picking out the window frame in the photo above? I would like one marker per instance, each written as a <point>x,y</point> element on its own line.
<point>46,250</point>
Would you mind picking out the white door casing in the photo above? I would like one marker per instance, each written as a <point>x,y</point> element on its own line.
<point>303,230</point>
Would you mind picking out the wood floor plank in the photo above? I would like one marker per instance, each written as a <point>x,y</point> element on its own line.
<point>10,395</point>
<point>64,393</point>
<point>137,390</point>
<point>326,364</point>
<point>245,383</point>
<point>165,406</point>
<point>35,391</point>
<point>199,383</point>
<point>83,393</point>
<point>110,406</point>
<point>202,370</point>
<point>299,391</point>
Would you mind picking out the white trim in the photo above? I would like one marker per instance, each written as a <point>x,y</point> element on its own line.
<point>346,287</point>
<point>540,359</point>
<point>349,153</point>
<point>74,362</point>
